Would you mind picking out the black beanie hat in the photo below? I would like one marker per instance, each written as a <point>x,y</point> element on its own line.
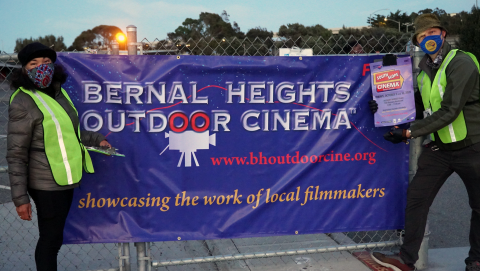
<point>34,50</point>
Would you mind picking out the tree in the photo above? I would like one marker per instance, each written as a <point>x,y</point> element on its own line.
<point>298,33</point>
<point>375,39</point>
<point>258,42</point>
<point>399,17</point>
<point>296,30</point>
<point>379,20</point>
<point>454,23</point>
<point>469,37</point>
<point>210,34</point>
<point>99,36</point>
<point>51,41</point>
<point>451,23</point>
<point>190,29</point>
<point>208,26</point>
<point>318,31</point>
<point>436,11</point>
<point>259,32</point>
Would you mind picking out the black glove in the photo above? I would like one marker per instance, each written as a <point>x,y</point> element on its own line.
<point>373,106</point>
<point>396,135</point>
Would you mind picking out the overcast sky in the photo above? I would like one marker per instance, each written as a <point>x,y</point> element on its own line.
<point>154,19</point>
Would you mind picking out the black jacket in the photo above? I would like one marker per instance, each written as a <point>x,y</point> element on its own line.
<point>27,163</point>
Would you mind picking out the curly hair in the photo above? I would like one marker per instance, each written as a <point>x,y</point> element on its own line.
<point>20,78</point>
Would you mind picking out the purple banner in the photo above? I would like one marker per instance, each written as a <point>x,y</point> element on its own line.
<point>227,147</point>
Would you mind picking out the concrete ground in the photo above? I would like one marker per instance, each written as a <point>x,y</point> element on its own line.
<point>447,259</point>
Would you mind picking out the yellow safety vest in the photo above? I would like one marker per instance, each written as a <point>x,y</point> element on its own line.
<point>65,152</point>
<point>432,97</point>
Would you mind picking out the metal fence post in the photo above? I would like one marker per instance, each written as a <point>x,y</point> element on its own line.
<point>422,262</point>
<point>132,40</point>
<point>142,259</point>
<point>124,256</point>
<point>415,151</point>
<point>115,48</point>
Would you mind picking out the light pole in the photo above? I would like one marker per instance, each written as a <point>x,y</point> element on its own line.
<point>393,21</point>
<point>374,13</point>
<point>407,25</point>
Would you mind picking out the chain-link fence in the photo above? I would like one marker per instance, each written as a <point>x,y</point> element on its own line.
<point>338,250</point>
<point>336,44</point>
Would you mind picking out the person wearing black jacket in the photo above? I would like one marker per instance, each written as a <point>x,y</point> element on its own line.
<point>449,97</point>
<point>28,165</point>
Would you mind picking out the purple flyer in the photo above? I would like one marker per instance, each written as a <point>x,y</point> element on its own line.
<point>392,89</point>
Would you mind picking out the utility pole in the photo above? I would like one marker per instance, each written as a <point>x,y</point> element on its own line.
<point>407,25</point>
<point>386,19</point>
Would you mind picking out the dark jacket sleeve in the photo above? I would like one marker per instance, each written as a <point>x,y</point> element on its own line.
<point>19,136</point>
<point>462,75</point>
<point>91,139</point>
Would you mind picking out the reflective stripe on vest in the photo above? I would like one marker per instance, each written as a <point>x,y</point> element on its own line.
<point>87,161</point>
<point>432,96</point>
<point>61,143</point>
<point>65,153</point>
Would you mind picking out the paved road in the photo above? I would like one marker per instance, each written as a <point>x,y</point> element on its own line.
<point>450,215</point>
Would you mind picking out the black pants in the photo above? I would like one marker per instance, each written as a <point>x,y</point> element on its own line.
<point>52,211</point>
<point>434,167</point>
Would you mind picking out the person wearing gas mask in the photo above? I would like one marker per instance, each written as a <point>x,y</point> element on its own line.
<point>449,98</point>
<point>45,148</point>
